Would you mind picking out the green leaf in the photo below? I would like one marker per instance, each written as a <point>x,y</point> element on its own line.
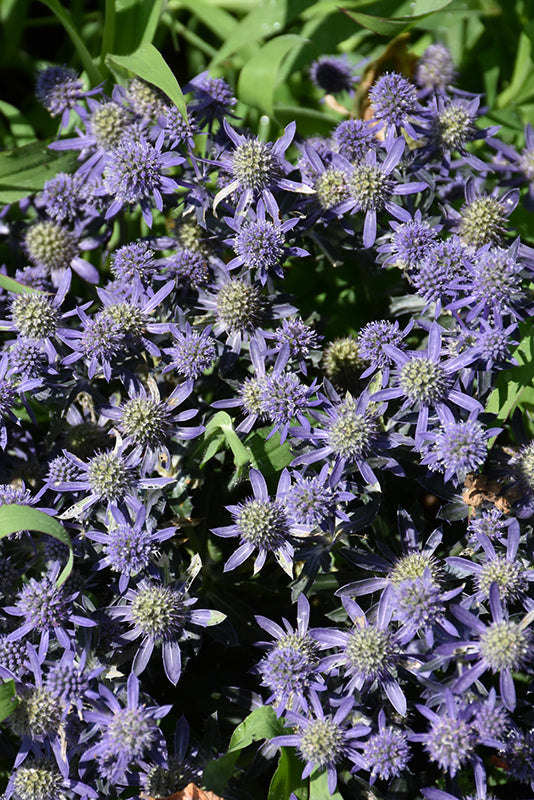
<point>218,772</point>
<point>149,64</point>
<point>264,20</point>
<point>223,421</point>
<point>287,778</point>
<point>391,26</point>
<point>134,22</point>
<point>319,787</point>
<point>270,455</point>
<point>11,285</point>
<point>262,723</point>
<point>26,169</point>
<point>15,518</point>
<point>258,77</point>
<point>85,56</point>
<point>514,385</point>
<point>8,701</point>
<point>219,21</point>
<point>522,71</point>
<point>18,124</point>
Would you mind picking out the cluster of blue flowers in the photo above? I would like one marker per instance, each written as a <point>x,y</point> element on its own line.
<point>151,298</point>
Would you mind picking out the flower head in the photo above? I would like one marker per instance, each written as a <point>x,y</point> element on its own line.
<point>333,75</point>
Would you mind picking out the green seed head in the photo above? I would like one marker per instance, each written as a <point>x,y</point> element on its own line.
<point>483,221</point>
<point>423,380</point>
<point>504,645</point>
<point>159,612</point>
<point>109,123</point>
<point>331,187</point>
<point>34,316</point>
<point>50,246</point>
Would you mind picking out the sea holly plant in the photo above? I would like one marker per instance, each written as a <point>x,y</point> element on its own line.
<point>264,388</point>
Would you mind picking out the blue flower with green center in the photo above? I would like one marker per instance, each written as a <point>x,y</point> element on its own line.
<point>368,654</point>
<point>371,187</point>
<point>324,741</point>
<point>262,524</point>
<point>257,171</point>
<point>55,248</point>
<point>110,477</point>
<point>507,570</point>
<point>425,381</point>
<point>161,616</point>
<point>502,646</point>
<point>347,432</point>
<point>482,219</point>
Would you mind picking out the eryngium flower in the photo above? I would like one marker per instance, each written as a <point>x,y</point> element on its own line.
<point>134,173</point>
<point>59,89</point>
<point>133,261</point>
<point>457,448</point>
<point>353,138</point>
<point>192,353</point>
<point>393,98</point>
<point>435,69</point>
<point>387,752</point>
<point>261,523</point>
<point>333,75</point>
<point>324,740</point>
<point>128,735</point>
<point>290,667</point>
<point>504,646</point>
<point>451,738</point>
<point>159,616</point>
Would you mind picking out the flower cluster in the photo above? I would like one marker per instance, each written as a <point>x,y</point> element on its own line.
<point>178,401</point>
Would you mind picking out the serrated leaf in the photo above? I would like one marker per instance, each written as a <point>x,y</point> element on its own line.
<point>391,26</point>
<point>259,76</point>
<point>85,56</point>
<point>287,778</point>
<point>15,518</point>
<point>26,169</point>
<point>8,700</point>
<point>148,63</point>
